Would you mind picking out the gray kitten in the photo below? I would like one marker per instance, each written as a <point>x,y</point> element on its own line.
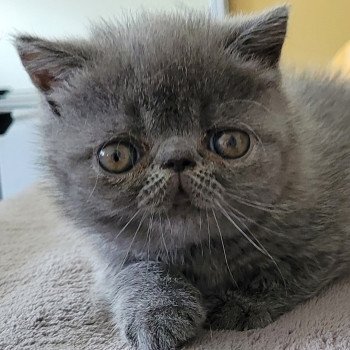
<point>217,187</point>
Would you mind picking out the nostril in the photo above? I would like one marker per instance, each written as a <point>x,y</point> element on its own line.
<point>179,165</point>
<point>187,163</point>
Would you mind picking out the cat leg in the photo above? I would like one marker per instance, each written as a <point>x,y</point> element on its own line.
<point>243,311</point>
<point>155,309</point>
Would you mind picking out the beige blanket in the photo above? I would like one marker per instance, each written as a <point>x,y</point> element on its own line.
<point>46,299</point>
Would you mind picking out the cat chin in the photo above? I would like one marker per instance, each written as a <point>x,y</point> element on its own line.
<point>181,206</point>
<point>183,209</point>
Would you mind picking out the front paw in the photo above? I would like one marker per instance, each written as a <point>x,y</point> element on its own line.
<point>164,328</point>
<point>237,317</point>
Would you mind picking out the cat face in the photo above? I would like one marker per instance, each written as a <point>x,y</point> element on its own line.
<point>167,124</point>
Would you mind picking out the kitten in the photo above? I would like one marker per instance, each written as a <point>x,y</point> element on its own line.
<point>217,187</point>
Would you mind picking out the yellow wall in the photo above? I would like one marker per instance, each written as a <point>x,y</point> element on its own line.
<point>317,28</point>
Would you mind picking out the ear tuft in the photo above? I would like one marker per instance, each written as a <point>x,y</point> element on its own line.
<point>49,62</point>
<point>261,37</point>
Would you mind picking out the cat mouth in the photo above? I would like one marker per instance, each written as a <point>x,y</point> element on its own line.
<point>181,197</point>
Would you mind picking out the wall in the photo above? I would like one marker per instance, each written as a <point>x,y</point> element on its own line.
<point>317,28</point>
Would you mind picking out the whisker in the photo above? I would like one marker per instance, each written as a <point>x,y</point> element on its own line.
<point>132,241</point>
<point>200,221</point>
<point>263,248</point>
<point>127,224</point>
<point>149,232</point>
<point>94,188</point>
<point>200,230</point>
<point>119,210</point>
<point>162,233</point>
<point>170,226</point>
<point>169,223</point>
<point>257,205</point>
<point>246,227</point>
<point>208,228</point>
<point>243,216</point>
<point>228,217</point>
<point>223,248</point>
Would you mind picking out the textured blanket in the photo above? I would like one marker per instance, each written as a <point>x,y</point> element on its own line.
<point>46,298</point>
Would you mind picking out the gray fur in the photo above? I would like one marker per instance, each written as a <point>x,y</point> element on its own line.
<point>257,235</point>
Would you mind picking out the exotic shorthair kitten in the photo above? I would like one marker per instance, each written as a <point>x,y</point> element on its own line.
<point>218,187</point>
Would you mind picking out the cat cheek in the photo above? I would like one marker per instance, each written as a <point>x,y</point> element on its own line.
<point>213,160</point>
<point>157,190</point>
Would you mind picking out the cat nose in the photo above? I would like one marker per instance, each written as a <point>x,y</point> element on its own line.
<point>179,164</point>
<point>177,153</point>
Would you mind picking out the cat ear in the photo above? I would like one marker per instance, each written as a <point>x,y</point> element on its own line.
<point>49,62</point>
<point>261,36</point>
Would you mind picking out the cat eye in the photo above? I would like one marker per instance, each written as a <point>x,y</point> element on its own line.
<point>118,157</point>
<point>230,144</point>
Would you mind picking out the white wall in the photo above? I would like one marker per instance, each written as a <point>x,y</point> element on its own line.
<point>49,18</point>
<point>19,157</point>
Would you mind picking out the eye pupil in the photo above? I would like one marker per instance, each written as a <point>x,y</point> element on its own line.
<point>231,141</point>
<point>230,144</point>
<point>118,157</point>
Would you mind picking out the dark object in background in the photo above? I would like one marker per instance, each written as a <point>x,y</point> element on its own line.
<point>3,92</point>
<point>5,118</point>
<point>16,105</point>
<point>5,122</point>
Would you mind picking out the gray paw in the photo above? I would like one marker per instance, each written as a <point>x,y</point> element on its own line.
<point>234,316</point>
<point>164,328</point>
